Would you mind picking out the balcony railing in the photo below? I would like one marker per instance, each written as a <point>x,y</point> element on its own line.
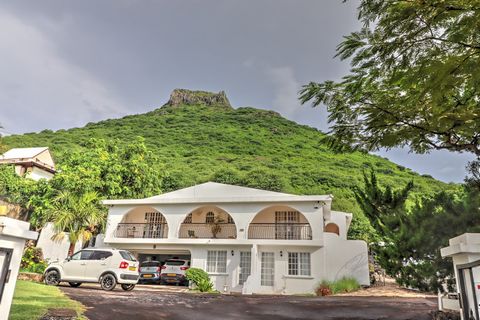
<point>142,230</point>
<point>282,231</point>
<point>208,231</point>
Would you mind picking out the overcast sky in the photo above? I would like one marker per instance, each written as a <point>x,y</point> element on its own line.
<point>64,64</point>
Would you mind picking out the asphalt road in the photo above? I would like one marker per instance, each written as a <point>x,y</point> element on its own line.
<point>141,304</point>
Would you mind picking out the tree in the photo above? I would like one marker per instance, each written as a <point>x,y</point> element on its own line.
<point>78,214</point>
<point>414,81</point>
<point>410,239</point>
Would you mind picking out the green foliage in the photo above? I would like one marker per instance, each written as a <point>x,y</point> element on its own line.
<point>186,145</point>
<point>78,214</point>
<point>32,260</point>
<point>414,78</point>
<point>200,279</point>
<point>343,285</point>
<point>410,239</point>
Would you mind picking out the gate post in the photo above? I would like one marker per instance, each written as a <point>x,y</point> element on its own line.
<point>465,252</point>
<point>13,234</point>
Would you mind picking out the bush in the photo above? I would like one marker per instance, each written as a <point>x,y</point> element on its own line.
<point>345,284</point>
<point>200,279</point>
<point>32,260</point>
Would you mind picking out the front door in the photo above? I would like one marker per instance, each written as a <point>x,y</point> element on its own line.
<point>245,266</point>
<point>74,268</point>
<point>267,272</point>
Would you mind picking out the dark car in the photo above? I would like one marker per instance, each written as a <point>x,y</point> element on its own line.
<point>150,272</point>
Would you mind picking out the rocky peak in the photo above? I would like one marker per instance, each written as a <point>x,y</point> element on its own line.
<point>189,97</point>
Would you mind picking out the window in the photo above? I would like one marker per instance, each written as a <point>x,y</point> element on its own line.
<point>210,217</point>
<point>82,255</point>
<point>217,261</point>
<point>188,219</point>
<point>154,218</point>
<point>230,219</point>
<point>299,263</point>
<point>127,256</point>
<point>100,255</point>
<point>268,269</point>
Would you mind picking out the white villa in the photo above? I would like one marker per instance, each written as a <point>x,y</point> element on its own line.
<point>34,163</point>
<point>248,240</point>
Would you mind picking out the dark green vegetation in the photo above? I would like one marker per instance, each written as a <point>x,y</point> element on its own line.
<point>411,238</point>
<point>245,146</point>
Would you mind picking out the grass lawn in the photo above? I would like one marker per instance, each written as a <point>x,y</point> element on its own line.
<point>32,300</point>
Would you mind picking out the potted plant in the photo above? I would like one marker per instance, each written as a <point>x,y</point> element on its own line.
<point>216,226</point>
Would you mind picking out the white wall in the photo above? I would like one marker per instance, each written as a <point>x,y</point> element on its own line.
<point>37,174</point>
<point>54,250</point>
<point>346,258</point>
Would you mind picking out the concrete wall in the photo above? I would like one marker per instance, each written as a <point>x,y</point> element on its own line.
<point>346,258</point>
<point>54,250</point>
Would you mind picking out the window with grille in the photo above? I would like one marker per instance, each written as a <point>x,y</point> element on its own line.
<point>245,266</point>
<point>217,261</point>
<point>267,269</point>
<point>154,217</point>
<point>299,263</point>
<point>210,217</point>
<point>230,219</point>
<point>188,219</point>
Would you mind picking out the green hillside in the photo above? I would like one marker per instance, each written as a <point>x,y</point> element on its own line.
<point>199,137</point>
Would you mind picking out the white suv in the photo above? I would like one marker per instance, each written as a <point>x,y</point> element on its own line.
<point>173,271</point>
<point>106,266</point>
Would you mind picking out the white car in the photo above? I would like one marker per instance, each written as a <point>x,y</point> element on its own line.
<point>173,271</point>
<point>105,266</point>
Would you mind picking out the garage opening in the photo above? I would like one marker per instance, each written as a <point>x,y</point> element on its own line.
<point>164,267</point>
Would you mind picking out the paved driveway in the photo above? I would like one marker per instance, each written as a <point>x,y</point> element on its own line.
<point>143,304</point>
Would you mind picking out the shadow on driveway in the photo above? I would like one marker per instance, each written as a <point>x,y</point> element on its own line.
<point>140,304</point>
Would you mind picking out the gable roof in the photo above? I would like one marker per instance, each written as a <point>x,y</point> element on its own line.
<point>213,192</point>
<point>22,153</point>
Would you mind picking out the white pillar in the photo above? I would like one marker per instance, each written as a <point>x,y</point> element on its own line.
<point>13,234</point>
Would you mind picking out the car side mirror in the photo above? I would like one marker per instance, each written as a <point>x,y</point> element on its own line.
<point>68,258</point>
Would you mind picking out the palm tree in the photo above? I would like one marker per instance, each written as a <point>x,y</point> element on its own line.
<point>79,215</point>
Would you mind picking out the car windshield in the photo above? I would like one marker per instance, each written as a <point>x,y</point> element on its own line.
<point>146,264</point>
<point>175,262</point>
<point>127,256</point>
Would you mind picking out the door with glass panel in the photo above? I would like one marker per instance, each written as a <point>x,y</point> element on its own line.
<point>285,224</point>
<point>245,266</point>
<point>267,272</point>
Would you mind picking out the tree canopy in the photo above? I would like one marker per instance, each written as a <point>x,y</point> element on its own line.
<point>414,80</point>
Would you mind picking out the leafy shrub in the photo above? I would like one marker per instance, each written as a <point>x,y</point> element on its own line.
<point>32,260</point>
<point>200,279</point>
<point>345,284</point>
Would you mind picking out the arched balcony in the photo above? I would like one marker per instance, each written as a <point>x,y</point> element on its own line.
<point>280,222</point>
<point>142,222</point>
<point>208,222</point>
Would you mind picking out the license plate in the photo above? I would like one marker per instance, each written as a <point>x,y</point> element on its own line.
<point>171,274</point>
<point>147,275</point>
<point>132,268</point>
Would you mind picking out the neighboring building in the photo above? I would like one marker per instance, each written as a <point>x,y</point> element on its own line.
<point>34,163</point>
<point>248,240</point>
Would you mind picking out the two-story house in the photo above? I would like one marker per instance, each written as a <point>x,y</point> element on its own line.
<point>248,240</point>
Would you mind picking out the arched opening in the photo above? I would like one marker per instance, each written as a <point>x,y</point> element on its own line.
<point>142,222</point>
<point>280,222</point>
<point>208,222</point>
<point>332,228</point>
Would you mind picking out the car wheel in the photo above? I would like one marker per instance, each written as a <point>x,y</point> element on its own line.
<point>52,278</point>
<point>108,282</point>
<point>128,287</point>
<point>75,284</point>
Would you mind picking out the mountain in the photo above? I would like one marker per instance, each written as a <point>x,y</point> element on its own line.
<point>200,137</point>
